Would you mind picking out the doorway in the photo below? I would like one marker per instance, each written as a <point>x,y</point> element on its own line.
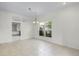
<point>16,30</point>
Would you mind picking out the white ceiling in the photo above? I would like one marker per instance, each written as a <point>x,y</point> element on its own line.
<point>40,8</point>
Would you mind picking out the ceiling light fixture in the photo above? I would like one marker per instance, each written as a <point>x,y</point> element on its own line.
<point>42,23</point>
<point>34,22</point>
<point>35,17</point>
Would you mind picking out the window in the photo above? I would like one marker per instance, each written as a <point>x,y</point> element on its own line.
<point>45,29</point>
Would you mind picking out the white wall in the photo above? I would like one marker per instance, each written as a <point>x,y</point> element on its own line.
<point>70,26</point>
<point>5,34</point>
<point>66,26</point>
<point>27,30</point>
<point>6,19</point>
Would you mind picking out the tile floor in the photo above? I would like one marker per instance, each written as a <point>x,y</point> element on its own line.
<point>32,47</point>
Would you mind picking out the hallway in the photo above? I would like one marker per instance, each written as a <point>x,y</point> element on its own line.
<point>34,47</point>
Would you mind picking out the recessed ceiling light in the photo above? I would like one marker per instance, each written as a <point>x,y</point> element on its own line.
<point>29,9</point>
<point>64,3</point>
